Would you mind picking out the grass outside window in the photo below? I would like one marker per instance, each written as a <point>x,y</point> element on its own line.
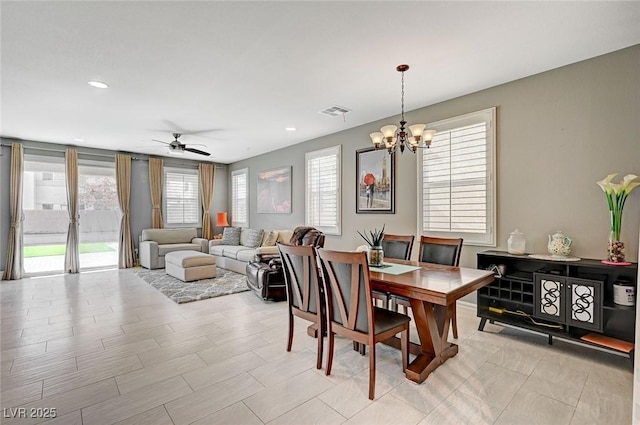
<point>50,250</point>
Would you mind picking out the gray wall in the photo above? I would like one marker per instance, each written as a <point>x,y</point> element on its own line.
<point>557,134</point>
<point>140,204</point>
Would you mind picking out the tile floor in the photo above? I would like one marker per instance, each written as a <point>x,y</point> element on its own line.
<point>106,348</point>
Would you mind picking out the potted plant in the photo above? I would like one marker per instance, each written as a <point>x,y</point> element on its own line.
<point>375,254</point>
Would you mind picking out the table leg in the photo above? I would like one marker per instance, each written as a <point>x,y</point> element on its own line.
<point>432,323</point>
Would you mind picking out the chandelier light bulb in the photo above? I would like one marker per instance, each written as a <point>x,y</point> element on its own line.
<point>376,138</point>
<point>389,131</point>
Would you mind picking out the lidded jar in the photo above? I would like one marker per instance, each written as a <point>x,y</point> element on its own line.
<point>515,243</point>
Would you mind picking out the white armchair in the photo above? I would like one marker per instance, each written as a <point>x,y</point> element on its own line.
<point>155,243</point>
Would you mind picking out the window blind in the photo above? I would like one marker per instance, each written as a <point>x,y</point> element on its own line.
<point>182,205</point>
<point>456,184</point>
<point>323,194</point>
<point>239,198</point>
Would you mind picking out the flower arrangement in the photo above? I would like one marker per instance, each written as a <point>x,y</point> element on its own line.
<point>617,194</point>
<point>375,237</point>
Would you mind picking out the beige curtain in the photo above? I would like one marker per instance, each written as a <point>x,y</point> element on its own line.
<point>72,253</point>
<point>13,268</point>
<point>206,172</point>
<point>155,187</point>
<point>123,182</point>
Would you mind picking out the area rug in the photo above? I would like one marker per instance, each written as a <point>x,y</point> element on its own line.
<point>226,282</point>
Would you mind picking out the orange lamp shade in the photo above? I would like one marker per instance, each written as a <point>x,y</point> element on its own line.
<point>222,220</point>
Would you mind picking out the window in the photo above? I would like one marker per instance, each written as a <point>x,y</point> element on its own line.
<point>240,198</point>
<point>181,198</point>
<point>322,194</point>
<point>457,187</point>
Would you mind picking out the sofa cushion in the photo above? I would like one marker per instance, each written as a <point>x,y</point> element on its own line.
<point>247,255</point>
<point>186,259</point>
<point>217,250</point>
<point>230,251</point>
<point>231,236</point>
<point>270,238</point>
<point>284,236</point>
<point>254,237</point>
<point>166,248</point>
<point>168,236</point>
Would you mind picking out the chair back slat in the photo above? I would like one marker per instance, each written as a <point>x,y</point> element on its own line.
<point>440,250</point>
<point>301,276</point>
<point>347,289</point>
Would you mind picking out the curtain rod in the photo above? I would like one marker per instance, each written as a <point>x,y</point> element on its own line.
<point>133,158</point>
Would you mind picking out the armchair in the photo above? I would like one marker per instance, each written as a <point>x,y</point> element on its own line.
<point>266,277</point>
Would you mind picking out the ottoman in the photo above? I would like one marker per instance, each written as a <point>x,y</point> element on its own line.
<point>190,265</point>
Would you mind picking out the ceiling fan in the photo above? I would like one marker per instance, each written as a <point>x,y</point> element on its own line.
<point>176,146</point>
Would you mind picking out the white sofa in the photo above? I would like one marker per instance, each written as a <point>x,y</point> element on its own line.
<point>236,257</point>
<point>155,243</point>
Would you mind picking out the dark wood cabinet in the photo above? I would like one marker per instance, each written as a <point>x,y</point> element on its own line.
<point>569,300</point>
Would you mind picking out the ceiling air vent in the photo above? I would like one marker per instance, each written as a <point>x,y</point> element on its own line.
<point>334,111</point>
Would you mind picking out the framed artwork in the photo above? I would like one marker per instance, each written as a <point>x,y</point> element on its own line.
<point>274,191</point>
<point>375,181</point>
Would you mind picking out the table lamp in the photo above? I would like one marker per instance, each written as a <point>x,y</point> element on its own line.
<point>221,222</point>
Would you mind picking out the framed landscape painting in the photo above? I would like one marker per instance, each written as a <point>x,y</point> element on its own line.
<point>274,191</point>
<point>375,185</point>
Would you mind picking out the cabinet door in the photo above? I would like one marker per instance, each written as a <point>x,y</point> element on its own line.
<point>548,297</point>
<point>584,303</point>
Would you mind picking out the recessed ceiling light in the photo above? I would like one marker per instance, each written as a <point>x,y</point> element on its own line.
<point>290,129</point>
<point>98,84</point>
<point>77,139</point>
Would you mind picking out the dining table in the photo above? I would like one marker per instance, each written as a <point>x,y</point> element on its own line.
<point>432,290</point>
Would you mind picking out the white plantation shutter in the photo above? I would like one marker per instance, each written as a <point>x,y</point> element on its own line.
<point>457,187</point>
<point>323,190</point>
<point>181,200</point>
<point>240,198</point>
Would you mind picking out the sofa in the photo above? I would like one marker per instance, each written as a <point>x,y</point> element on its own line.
<point>235,254</point>
<point>156,243</point>
<point>265,276</point>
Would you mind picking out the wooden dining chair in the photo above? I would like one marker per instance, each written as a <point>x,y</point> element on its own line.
<point>351,313</point>
<point>397,246</point>
<point>445,251</point>
<point>302,286</point>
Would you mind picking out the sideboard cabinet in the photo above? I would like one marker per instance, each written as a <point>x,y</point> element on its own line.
<point>566,299</point>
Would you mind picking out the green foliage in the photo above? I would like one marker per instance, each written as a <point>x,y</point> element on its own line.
<point>375,236</point>
<point>49,250</point>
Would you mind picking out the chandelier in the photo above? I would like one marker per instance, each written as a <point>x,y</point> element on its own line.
<point>387,134</point>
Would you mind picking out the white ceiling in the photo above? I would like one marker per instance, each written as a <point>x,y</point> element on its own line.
<point>249,69</point>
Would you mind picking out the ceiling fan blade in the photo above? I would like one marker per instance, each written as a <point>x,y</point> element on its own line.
<point>195,144</point>
<point>160,141</point>
<point>196,132</point>
<point>198,151</point>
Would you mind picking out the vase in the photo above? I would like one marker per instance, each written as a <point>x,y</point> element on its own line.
<point>616,246</point>
<point>375,256</point>
<point>615,250</point>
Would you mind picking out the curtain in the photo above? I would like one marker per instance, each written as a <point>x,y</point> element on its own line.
<point>155,187</point>
<point>206,172</point>
<point>126,257</point>
<point>13,268</point>
<point>72,252</point>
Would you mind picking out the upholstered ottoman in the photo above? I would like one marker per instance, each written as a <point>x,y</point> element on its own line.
<point>190,265</point>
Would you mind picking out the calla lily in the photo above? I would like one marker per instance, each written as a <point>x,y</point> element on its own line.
<point>617,194</point>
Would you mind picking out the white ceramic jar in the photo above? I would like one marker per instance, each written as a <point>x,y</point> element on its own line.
<point>516,243</point>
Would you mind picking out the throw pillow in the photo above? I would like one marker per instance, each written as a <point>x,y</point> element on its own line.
<point>231,236</point>
<point>254,238</point>
<point>270,238</point>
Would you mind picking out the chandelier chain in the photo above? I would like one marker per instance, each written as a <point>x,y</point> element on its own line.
<point>402,95</point>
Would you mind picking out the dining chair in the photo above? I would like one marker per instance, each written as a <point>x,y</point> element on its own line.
<point>302,286</point>
<point>445,251</point>
<point>351,313</point>
<point>397,246</point>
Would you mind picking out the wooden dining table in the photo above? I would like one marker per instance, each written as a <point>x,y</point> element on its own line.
<point>432,290</point>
